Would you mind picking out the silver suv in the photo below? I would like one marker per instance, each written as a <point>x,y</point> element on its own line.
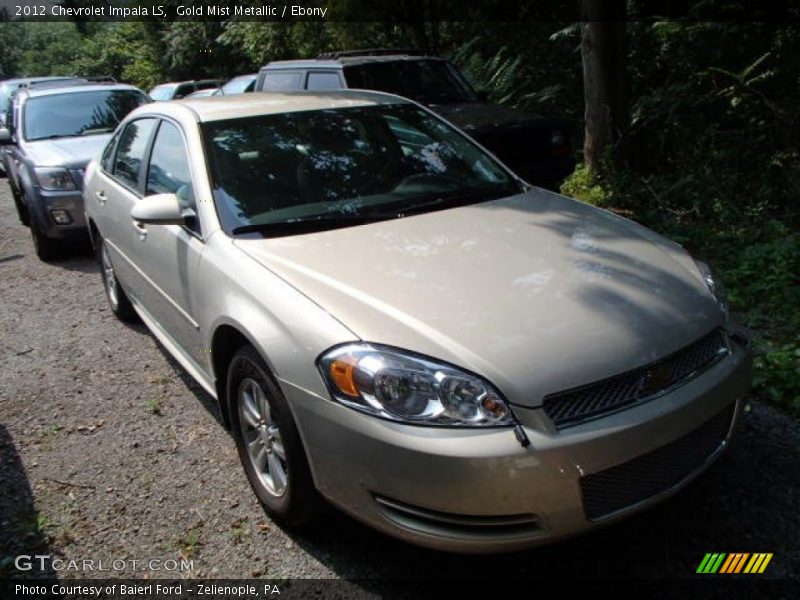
<point>52,133</point>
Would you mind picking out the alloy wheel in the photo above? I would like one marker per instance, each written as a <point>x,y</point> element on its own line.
<point>262,437</point>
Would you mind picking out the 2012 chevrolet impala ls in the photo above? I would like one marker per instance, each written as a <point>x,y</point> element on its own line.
<point>393,321</point>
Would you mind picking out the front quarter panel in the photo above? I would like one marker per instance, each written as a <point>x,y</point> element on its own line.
<point>289,330</point>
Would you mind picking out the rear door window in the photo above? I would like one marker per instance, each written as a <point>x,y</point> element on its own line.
<point>321,81</point>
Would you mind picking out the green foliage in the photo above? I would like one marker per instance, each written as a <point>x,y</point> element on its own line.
<point>588,188</point>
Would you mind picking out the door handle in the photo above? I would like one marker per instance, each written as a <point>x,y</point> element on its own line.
<point>101,197</point>
<point>141,229</point>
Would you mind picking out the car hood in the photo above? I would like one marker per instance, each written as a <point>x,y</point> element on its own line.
<point>536,292</point>
<point>478,116</point>
<point>72,152</point>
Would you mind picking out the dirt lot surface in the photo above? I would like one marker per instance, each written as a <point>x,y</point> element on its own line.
<point>108,450</point>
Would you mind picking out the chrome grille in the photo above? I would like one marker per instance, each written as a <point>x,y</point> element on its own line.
<point>648,475</point>
<point>596,399</point>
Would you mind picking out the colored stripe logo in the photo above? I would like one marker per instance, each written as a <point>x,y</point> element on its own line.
<point>736,562</point>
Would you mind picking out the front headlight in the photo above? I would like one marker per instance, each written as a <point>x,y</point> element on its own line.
<point>54,179</point>
<point>715,286</point>
<point>400,386</point>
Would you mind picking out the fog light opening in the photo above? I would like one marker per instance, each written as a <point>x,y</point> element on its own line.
<point>61,217</point>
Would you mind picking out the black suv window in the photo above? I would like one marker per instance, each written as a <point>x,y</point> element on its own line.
<point>131,149</point>
<point>283,81</point>
<point>318,80</point>
<point>421,80</point>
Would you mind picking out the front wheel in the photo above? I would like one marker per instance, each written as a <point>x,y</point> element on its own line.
<point>268,442</point>
<point>22,210</point>
<point>46,248</point>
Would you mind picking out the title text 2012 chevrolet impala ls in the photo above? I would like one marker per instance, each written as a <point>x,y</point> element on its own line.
<point>391,320</point>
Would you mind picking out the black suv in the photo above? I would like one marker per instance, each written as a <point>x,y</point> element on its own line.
<point>536,148</point>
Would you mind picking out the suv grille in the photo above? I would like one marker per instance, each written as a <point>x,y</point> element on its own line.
<point>596,399</point>
<point>643,477</point>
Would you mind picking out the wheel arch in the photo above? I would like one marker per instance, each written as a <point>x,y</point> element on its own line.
<point>228,337</point>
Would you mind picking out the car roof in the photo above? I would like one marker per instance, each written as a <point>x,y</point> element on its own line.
<point>81,87</point>
<point>218,108</point>
<point>188,81</point>
<point>345,61</point>
<point>24,80</point>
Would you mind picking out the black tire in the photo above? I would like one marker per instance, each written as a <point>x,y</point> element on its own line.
<point>117,299</point>
<point>22,210</point>
<point>46,248</point>
<point>298,503</point>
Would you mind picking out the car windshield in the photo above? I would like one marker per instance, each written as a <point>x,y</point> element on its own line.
<point>78,113</point>
<point>426,81</point>
<point>238,85</point>
<point>162,92</point>
<point>312,170</point>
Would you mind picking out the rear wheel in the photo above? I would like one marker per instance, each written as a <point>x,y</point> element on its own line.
<point>117,299</point>
<point>268,442</point>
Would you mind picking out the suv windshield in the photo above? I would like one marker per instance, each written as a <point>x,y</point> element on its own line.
<point>426,81</point>
<point>313,170</point>
<point>78,113</point>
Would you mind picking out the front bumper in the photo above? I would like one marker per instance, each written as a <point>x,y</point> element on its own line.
<point>44,202</point>
<point>481,491</point>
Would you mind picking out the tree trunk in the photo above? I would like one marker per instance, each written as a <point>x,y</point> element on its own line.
<point>604,80</point>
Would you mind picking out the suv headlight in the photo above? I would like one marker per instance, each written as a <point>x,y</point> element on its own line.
<point>716,288</point>
<point>401,386</point>
<point>54,179</point>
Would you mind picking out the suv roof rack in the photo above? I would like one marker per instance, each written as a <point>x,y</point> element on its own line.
<point>99,79</point>
<point>53,82</point>
<point>370,52</point>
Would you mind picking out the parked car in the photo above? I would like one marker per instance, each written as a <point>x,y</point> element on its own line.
<point>54,132</point>
<point>238,85</point>
<point>203,93</point>
<point>535,147</point>
<point>392,320</point>
<point>181,89</point>
<point>9,86</point>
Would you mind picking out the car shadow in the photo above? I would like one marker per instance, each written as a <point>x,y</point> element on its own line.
<point>206,400</point>
<point>21,524</point>
<point>77,256</point>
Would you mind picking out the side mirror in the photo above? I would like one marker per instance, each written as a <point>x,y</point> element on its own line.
<point>5,136</point>
<point>160,209</point>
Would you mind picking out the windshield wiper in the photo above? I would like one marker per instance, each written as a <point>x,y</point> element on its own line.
<point>55,136</point>
<point>313,223</point>
<point>457,198</point>
<point>97,131</point>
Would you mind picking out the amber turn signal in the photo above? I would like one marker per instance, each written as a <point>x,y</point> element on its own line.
<point>342,374</point>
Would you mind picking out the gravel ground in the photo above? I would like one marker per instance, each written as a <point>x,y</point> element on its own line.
<point>108,450</point>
